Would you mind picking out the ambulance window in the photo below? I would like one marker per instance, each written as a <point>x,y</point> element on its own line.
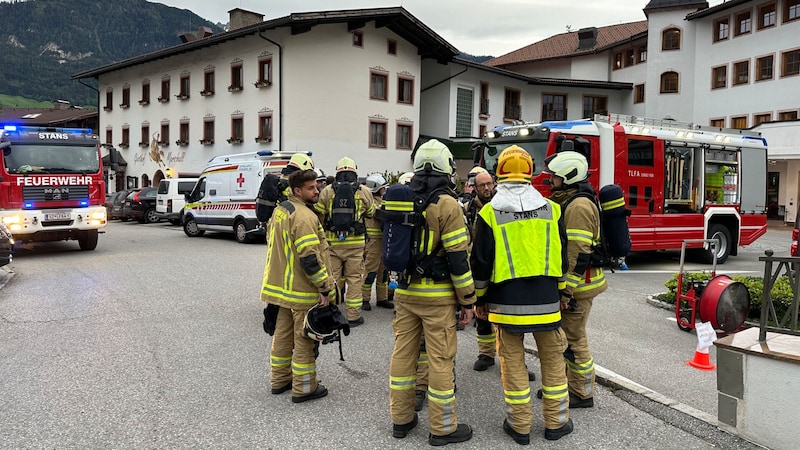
<point>199,190</point>
<point>640,153</point>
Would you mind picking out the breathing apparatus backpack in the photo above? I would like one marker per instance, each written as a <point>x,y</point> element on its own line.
<point>270,194</point>
<point>343,211</point>
<point>615,238</point>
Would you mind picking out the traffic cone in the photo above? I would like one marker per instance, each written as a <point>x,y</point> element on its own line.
<point>701,360</point>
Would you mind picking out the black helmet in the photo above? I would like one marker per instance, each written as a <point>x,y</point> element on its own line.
<point>324,322</point>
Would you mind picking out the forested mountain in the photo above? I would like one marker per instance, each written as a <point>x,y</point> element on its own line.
<point>44,42</point>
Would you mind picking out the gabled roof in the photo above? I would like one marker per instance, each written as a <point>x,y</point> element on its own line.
<point>397,19</point>
<point>565,45</point>
<point>51,117</point>
<point>659,4</point>
<point>721,7</point>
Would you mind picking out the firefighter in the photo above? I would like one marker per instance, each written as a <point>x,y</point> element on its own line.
<point>518,256</point>
<point>296,243</point>
<point>426,304</point>
<point>321,179</point>
<point>347,254</point>
<point>373,263</point>
<point>568,173</point>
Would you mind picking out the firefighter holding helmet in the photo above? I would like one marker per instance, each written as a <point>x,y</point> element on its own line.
<point>518,257</point>
<point>296,243</point>
<point>374,268</point>
<point>347,249</point>
<point>426,304</point>
<point>568,173</point>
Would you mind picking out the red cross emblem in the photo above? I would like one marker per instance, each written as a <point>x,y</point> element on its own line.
<point>240,180</point>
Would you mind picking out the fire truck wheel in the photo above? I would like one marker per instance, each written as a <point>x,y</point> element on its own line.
<point>87,240</point>
<point>240,231</point>
<point>190,227</point>
<point>718,231</point>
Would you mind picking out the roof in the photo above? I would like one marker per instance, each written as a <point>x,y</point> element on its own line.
<point>397,19</point>
<point>658,4</point>
<point>565,45</point>
<point>721,7</point>
<point>52,117</point>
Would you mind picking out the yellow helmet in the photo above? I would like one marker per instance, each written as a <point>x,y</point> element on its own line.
<point>346,164</point>
<point>435,155</point>
<point>514,164</point>
<point>301,161</point>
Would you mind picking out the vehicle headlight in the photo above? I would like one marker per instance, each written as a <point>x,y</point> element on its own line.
<point>8,220</point>
<point>101,215</point>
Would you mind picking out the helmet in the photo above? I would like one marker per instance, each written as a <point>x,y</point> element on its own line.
<point>301,160</point>
<point>571,166</point>
<point>514,164</point>
<point>320,322</point>
<point>475,171</point>
<point>434,156</point>
<point>346,164</point>
<point>405,178</point>
<point>320,175</point>
<point>375,182</point>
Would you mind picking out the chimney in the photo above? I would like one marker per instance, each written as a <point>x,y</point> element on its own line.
<point>60,104</point>
<point>239,18</point>
<point>202,33</point>
<point>587,38</point>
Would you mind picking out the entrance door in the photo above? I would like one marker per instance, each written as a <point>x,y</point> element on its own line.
<point>773,185</point>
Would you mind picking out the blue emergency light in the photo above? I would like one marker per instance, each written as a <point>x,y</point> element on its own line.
<point>28,205</point>
<point>10,127</point>
<point>84,202</point>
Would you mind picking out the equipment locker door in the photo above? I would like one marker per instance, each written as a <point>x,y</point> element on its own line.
<point>640,173</point>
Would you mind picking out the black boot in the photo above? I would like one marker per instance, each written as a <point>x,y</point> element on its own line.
<point>400,431</point>
<point>577,402</point>
<point>519,438</point>
<point>483,363</point>
<point>419,400</point>
<point>366,306</point>
<point>463,433</point>
<point>558,433</point>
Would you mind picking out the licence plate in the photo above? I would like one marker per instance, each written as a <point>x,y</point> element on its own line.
<point>58,215</point>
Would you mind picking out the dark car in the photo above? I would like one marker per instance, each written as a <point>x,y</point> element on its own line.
<point>141,205</point>
<point>6,245</point>
<point>793,251</point>
<point>117,203</point>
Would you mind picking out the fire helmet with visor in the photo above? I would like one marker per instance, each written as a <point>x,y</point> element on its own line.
<point>321,323</point>
<point>571,166</point>
<point>434,156</point>
<point>375,182</point>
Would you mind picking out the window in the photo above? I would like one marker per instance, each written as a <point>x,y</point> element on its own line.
<point>405,90</point>
<point>391,47</point>
<point>743,23</point>
<point>208,131</point>
<point>791,10</point>
<point>377,134</point>
<point>126,97</point>
<point>164,91</point>
<point>464,102</point>
<point>761,118</point>
<point>671,39</point>
<point>237,130</point>
<point>719,77</point>
<point>264,128</point>
<point>109,100</point>
<point>766,16</point>
<point>164,136</point>
<point>378,86</point>
<point>183,139</point>
<point>638,93</point>
<point>739,122</point>
<point>640,153</point>
<point>554,107</point>
<point>237,78</point>
<point>126,137</point>
<point>791,63</point>
<point>722,29</point>
<point>184,93</point>
<point>764,68</point>
<point>404,136</point>
<point>630,58</point>
<point>669,82</point>
<point>787,115</point>
<point>741,72</point>
<point>719,123</point>
<point>481,130</point>
<point>109,136</point>
<point>594,105</point>
<point>641,55</point>
<point>617,61</point>
<point>208,83</point>
<point>484,106</point>
<point>145,141</point>
<point>512,108</point>
<point>358,39</point>
<point>264,72</point>
<point>145,93</point>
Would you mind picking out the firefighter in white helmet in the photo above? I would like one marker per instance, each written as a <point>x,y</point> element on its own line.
<point>347,246</point>
<point>569,171</point>
<point>426,303</point>
<point>518,257</point>
<point>374,268</point>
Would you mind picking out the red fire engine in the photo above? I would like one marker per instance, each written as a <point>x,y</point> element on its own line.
<point>681,181</point>
<point>51,184</point>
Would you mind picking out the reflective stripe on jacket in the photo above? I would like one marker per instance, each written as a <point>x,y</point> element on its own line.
<point>365,207</point>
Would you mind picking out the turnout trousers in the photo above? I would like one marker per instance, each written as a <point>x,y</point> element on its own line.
<point>348,260</point>
<point>373,264</point>
<point>487,339</point>
<point>411,319</point>
<point>293,354</point>
<point>517,388</point>
<point>580,365</point>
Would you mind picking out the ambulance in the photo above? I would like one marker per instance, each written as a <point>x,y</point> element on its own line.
<point>224,197</point>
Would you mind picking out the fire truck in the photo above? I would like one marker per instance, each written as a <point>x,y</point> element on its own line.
<point>681,181</point>
<point>51,184</point>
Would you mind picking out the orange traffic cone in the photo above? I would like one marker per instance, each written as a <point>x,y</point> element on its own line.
<point>701,360</point>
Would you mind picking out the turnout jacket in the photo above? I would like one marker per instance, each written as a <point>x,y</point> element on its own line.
<point>518,259</point>
<point>365,207</point>
<point>582,219</point>
<point>374,232</point>
<point>296,271</point>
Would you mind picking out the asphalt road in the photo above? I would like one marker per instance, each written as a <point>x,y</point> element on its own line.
<point>154,340</point>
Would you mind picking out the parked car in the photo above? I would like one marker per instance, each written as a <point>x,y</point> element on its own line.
<point>141,205</point>
<point>171,198</point>
<point>793,251</point>
<point>117,202</point>
<point>6,245</point>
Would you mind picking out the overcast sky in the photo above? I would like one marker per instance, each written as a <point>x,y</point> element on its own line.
<point>477,27</point>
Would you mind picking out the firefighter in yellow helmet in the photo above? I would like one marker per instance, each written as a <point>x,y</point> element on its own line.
<point>518,258</point>
<point>347,247</point>
<point>569,171</point>
<point>426,303</point>
<point>374,268</point>
<point>295,244</point>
